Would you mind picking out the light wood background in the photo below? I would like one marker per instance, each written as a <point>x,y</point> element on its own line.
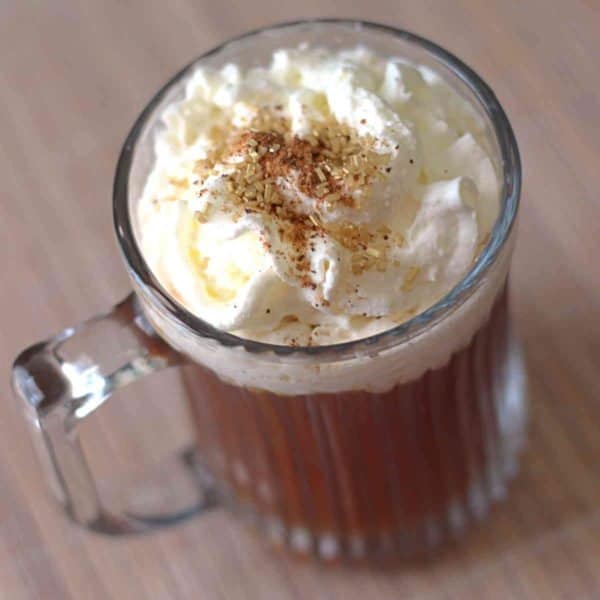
<point>73,76</point>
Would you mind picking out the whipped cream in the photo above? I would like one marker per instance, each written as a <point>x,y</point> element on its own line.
<point>377,252</point>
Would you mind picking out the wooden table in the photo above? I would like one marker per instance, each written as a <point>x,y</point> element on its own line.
<point>73,76</point>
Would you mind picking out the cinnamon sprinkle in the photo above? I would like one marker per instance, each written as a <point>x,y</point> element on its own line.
<point>330,165</point>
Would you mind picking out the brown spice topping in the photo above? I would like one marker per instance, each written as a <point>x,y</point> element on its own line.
<point>330,165</point>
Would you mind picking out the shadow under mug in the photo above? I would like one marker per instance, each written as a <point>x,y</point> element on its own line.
<point>358,471</point>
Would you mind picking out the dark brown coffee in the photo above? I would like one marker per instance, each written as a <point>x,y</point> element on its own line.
<point>359,473</point>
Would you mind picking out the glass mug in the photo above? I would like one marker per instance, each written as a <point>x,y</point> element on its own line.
<point>389,445</point>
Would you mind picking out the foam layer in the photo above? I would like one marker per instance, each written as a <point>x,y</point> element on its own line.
<point>426,213</point>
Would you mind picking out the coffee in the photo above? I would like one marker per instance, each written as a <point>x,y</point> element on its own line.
<point>306,211</point>
<point>364,474</point>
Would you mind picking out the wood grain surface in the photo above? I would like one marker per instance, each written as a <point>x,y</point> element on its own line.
<point>73,76</point>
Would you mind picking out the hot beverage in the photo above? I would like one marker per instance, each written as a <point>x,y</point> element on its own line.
<point>332,196</point>
<point>318,223</point>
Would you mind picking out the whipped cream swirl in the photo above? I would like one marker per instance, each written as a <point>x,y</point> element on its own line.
<point>321,199</point>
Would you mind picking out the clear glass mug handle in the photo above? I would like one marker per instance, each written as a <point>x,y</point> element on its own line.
<point>61,381</point>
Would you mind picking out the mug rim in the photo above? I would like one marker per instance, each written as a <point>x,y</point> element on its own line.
<point>510,200</point>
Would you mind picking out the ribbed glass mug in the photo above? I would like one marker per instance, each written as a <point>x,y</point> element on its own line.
<point>379,447</point>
